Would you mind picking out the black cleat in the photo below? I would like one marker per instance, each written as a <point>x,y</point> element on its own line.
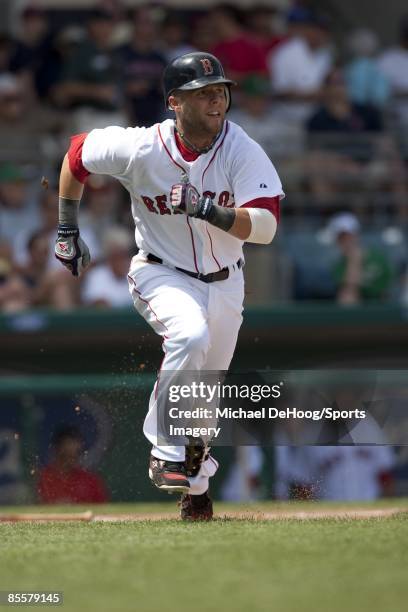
<point>196,453</point>
<point>168,475</point>
<point>196,507</point>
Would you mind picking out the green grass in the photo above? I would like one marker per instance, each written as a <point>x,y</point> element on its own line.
<point>327,565</point>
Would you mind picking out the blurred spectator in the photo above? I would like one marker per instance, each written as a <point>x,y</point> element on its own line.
<point>261,21</point>
<point>122,26</point>
<point>48,287</point>
<point>366,85</point>
<point>343,460</point>
<point>335,473</point>
<point>96,216</point>
<point>33,244</point>
<point>243,482</point>
<point>338,114</point>
<point>173,36</point>
<point>90,78</point>
<point>236,50</point>
<point>342,140</point>
<point>6,52</point>
<point>203,36</point>
<point>299,66</point>
<point>14,295</point>
<point>32,48</point>
<point>46,223</point>
<point>106,284</point>
<point>18,208</point>
<point>393,63</point>
<point>99,210</point>
<point>115,7</point>
<point>38,258</point>
<point>142,66</point>
<point>61,49</point>
<point>29,131</point>
<point>352,473</point>
<point>254,114</point>
<point>360,273</point>
<point>64,480</point>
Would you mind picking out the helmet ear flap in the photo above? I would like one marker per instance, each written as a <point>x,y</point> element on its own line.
<point>228,96</point>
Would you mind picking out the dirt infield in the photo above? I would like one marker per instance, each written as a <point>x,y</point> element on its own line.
<point>300,515</point>
<point>357,513</point>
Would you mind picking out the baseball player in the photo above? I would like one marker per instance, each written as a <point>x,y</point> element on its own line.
<point>199,189</point>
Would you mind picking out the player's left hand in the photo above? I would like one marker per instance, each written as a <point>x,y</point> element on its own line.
<point>71,250</point>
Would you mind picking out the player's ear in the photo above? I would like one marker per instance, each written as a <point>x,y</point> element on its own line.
<point>175,102</point>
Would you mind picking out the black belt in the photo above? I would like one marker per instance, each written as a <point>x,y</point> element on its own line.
<point>211,277</point>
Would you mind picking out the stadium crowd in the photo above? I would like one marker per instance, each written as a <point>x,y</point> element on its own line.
<point>333,116</point>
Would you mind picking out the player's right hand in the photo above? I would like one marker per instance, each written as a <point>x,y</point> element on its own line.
<point>185,197</point>
<point>71,250</point>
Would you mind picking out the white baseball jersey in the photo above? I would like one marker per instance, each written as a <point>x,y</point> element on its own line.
<point>148,162</point>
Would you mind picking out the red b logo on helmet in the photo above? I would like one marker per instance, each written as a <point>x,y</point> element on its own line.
<point>207,66</point>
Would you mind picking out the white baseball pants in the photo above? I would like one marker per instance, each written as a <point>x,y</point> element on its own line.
<point>199,324</point>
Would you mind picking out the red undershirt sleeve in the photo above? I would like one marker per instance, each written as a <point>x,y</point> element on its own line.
<point>75,157</point>
<point>271,204</point>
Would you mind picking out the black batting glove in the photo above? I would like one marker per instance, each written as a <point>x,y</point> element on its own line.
<point>71,250</point>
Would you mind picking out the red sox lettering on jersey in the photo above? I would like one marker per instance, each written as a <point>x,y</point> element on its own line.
<point>147,161</point>
<point>159,204</point>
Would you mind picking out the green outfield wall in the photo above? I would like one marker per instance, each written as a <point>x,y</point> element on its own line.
<point>287,336</point>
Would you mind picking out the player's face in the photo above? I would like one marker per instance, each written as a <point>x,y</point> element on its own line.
<point>202,111</point>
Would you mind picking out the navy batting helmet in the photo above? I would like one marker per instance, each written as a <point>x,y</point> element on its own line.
<point>192,71</point>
